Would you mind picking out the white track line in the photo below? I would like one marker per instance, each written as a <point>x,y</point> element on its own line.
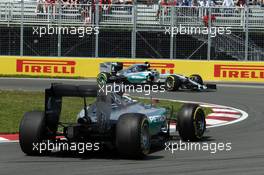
<point>212,106</point>
<point>3,139</point>
<point>214,122</point>
<point>224,110</point>
<point>261,86</point>
<point>9,141</point>
<point>172,128</point>
<point>224,115</point>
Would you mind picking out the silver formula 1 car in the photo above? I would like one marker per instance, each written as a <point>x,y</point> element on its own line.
<point>114,119</point>
<point>111,72</point>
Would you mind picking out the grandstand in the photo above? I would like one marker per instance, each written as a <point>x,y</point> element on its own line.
<point>134,30</point>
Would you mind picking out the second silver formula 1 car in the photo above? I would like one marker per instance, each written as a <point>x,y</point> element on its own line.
<point>111,72</point>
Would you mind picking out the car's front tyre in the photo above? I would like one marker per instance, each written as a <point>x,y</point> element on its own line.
<point>191,122</point>
<point>197,78</point>
<point>172,83</point>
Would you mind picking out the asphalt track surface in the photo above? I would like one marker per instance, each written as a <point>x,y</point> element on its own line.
<point>246,137</point>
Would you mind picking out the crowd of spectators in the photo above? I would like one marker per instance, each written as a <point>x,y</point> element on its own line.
<point>43,5</point>
<point>225,3</point>
<point>237,4</point>
<point>87,7</point>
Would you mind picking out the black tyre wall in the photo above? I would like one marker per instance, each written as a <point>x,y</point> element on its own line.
<point>187,116</point>
<point>128,135</point>
<point>31,130</point>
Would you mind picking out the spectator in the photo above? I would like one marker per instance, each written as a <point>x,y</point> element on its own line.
<point>202,3</point>
<point>195,3</point>
<point>150,2</point>
<point>66,3</point>
<point>49,5</point>
<point>186,3</point>
<point>206,20</point>
<point>86,11</point>
<point>172,2</point>
<point>241,3</point>
<point>101,4</point>
<point>40,6</point>
<point>129,8</point>
<point>262,3</point>
<point>117,1</point>
<point>83,2</point>
<point>202,11</point>
<point>73,3</point>
<point>86,15</point>
<point>130,2</point>
<point>205,3</point>
<point>164,6</point>
<point>106,5</point>
<point>162,3</point>
<point>228,3</point>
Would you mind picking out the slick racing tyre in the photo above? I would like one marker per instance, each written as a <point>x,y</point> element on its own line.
<point>103,78</point>
<point>132,135</point>
<point>197,78</point>
<point>31,132</point>
<point>172,83</point>
<point>191,122</point>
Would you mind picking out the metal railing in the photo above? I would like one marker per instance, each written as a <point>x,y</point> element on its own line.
<point>120,15</point>
<point>139,17</point>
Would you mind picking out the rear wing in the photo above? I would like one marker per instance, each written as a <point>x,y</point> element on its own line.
<point>67,90</point>
<point>105,67</point>
<point>53,103</point>
<point>53,99</point>
<point>111,67</point>
<point>54,94</point>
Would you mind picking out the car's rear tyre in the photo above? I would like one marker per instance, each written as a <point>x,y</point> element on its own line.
<point>197,78</point>
<point>172,83</point>
<point>103,78</point>
<point>191,122</point>
<point>31,132</point>
<point>132,135</point>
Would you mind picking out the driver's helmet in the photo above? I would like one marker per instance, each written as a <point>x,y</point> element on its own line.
<point>147,64</point>
<point>115,67</point>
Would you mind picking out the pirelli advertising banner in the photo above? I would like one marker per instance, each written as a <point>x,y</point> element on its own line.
<point>232,71</point>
